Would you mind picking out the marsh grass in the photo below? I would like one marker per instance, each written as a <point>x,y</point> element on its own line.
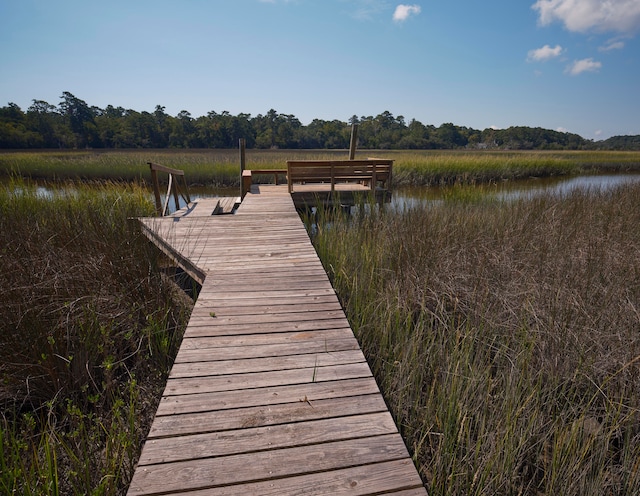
<point>221,168</point>
<point>202,167</point>
<point>89,328</point>
<point>439,168</point>
<point>504,335</point>
<point>218,168</point>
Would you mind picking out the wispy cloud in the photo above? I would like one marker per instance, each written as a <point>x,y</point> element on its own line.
<point>544,53</point>
<point>584,65</point>
<point>611,45</point>
<point>403,12</point>
<point>366,10</point>
<point>591,15</point>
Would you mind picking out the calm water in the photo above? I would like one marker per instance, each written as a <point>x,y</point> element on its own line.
<point>407,197</point>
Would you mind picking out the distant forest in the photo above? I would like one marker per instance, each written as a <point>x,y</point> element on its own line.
<point>74,124</point>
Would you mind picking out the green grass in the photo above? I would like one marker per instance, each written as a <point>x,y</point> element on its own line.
<point>504,336</point>
<point>221,168</point>
<point>89,328</point>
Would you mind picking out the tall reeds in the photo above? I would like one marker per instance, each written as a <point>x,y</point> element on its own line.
<point>221,168</point>
<point>505,336</point>
<point>88,330</point>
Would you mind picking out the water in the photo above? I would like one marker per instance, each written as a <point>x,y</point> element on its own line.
<point>408,197</point>
<point>511,190</point>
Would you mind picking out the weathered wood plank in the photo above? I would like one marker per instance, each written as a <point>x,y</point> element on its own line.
<point>229,275</point>
<point>231,382</point>
<point>258,339</point>
<point>222,367</point>
<point>396,478</point>
<point>255,439</point>
<point>279,297</point>
<point>246,324</point>
<point>276,395</point>
<point>266,465</point>
<point>268,350</point>
<point>257,416</point>
<point>281,284</point>
<point>299,317</point>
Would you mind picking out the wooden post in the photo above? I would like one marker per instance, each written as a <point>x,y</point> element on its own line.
<point>243,160</point>
<point>354,141</point>
<point>243,164</point>
<point>173,188</point>
<point>156,189</point>
<point>374,180</point>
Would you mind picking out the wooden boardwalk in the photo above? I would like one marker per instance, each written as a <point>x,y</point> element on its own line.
<point>270,393</point>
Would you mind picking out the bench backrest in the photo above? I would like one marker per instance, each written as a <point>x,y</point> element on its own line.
<point>369,170</point>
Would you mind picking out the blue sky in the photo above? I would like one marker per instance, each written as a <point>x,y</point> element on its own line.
<point>569,65</point>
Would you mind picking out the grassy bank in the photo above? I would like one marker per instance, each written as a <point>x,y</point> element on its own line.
<point>221,167</point>
<point>504,337</point>
<point>88,329</point>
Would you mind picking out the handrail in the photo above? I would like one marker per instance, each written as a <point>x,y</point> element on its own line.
<point>247,177</point>
<point>173,189</point>
<point>371,170</point>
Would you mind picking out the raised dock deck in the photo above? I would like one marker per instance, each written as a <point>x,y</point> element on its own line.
<point>270,393</point>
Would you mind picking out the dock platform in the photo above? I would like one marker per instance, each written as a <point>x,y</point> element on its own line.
<point>270,393</point>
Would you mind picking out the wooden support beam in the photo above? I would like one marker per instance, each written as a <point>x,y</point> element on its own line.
<point>354,141</point>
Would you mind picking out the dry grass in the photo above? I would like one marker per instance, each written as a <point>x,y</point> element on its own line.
<point>505,337</point>
<point>89,328</point>
<point>221,168</point>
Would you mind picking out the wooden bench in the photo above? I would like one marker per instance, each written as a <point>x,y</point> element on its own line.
<point>372,172</point>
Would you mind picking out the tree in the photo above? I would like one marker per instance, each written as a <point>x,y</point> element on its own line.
<point>450,136</point>
<point>80,118</point>
<point>13,132</point>
<point>183,131</point>
<point>43,119</point>
<point>76,124</point>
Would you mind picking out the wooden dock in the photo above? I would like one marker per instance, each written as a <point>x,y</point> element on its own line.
<point>270,393</point>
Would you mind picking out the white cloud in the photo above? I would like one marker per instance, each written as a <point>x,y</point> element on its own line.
<point>584,65</point>
<point>544,53</point>
<point>591,15</point>
<point>612,45</point>
<point>403,12</point>
<point>366,10</point>
<point>562,129</point>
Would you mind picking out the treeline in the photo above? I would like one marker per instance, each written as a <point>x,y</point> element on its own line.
<point>75,124</point>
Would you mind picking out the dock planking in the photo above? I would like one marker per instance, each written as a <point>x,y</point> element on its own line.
<point>270,392</point>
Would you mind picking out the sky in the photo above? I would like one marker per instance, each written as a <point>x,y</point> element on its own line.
<point>566,65</point>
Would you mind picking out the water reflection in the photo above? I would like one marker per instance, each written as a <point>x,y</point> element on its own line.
<point>415,196</point>
<point>510,190</point>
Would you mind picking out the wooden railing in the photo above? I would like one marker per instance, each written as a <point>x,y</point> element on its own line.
<point>247,177</point>
<point>175,190</point>
<point>372,172</point>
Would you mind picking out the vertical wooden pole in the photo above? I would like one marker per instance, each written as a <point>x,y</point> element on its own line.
<point>354,141</point>
<point>243,163</point>
<point>374,179</point>
<point>156,189</point>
